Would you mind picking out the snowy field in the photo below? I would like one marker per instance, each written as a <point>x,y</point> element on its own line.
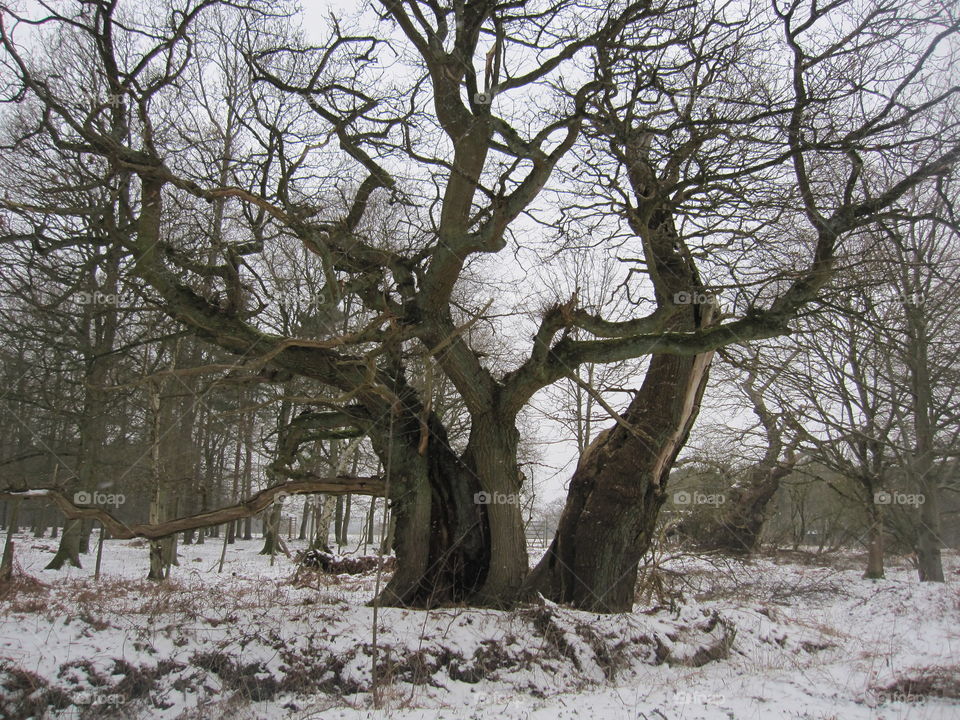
<point>785,637</point>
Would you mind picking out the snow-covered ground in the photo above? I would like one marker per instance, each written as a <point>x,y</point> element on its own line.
<point>784,637</point>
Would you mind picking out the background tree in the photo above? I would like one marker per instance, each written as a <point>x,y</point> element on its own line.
<point>736,525</point>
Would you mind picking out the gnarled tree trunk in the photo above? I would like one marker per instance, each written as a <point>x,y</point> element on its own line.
<point>440,534</point>
<point>618,489</point>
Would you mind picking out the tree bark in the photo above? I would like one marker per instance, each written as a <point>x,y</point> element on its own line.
<point>324,515</point>
<point>158,505</point>
<point>101,321</point>
<point>440,536</point>
<point>271,530</point>
<point>345,520</point>
<point>6,562</point>
<point>40,522</point>
<point>491,458</point>
<point>618,489</point>
<point>247,471</point>
<point>929,562</point>
<point>69,549</point>
<point>921,465</point>
<point>338,522</point>
<point>305,518</point>
<point>874,569</point>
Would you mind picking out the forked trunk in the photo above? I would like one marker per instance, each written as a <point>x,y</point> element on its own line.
<point>459,531</point>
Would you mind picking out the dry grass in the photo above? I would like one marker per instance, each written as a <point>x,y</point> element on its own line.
<point>922,684</point>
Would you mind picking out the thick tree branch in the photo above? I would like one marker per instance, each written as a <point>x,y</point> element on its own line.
<point>257,503</point>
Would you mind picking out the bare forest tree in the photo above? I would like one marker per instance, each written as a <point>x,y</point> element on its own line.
<point>769,447</point>
<point>868,388</point>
